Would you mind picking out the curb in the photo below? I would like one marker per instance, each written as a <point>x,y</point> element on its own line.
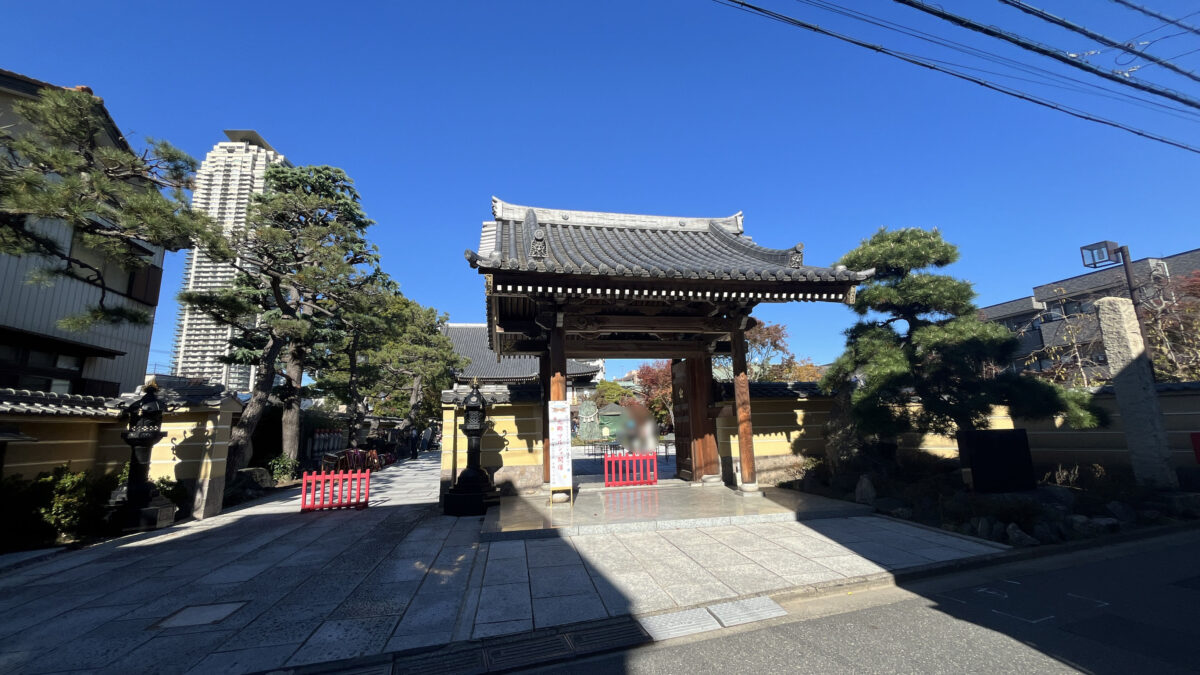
<point>885,579</point>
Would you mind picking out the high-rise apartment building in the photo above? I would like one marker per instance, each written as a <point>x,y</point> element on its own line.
<point>231,172</point>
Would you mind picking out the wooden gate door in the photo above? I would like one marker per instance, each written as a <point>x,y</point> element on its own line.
<point>683,422</point>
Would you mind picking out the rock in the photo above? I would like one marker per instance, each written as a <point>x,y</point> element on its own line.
<point>1057,494</point>
<point>1076,521</point>
<point>1186,504</point>
<point>1017,536</point>
<point>997,533</point>
<point>902,512</point>
<point>261,477</point>
<point>1080,527</point>
<point>1045,533</point>
<point>1150,515</point>
<point>1105,524</point>
<point>864,492</point>
<point>1121,511</point>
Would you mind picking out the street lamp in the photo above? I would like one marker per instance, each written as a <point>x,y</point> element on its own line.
<point>1108,253</point>
<point>469,494</point>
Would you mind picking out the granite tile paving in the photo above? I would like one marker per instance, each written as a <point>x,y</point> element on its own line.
<point>263,586</point>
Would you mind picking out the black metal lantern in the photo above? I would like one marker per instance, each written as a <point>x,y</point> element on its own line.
<point>474,413</point>
<point>469,495</point>
<point>137,505</point>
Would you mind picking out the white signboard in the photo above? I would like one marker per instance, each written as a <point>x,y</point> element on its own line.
<point>560,445</point>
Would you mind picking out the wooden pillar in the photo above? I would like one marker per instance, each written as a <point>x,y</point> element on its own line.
<point>558,364</point>
<point>741,397</point>
<point>704,439</point>
<point>544,378</point>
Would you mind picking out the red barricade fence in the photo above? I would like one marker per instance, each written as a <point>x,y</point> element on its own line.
<point>630,470</point>
<point>337,490</point>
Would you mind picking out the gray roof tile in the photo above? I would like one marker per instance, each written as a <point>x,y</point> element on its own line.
<point>25,402</point>
<point>629,245</point>
<point>471,340</point>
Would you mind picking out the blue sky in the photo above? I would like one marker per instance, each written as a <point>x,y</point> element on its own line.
<point>678,107</point>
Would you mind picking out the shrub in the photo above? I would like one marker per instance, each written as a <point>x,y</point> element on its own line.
<point>175,492</point>
<point>69,500</point>
<point>283,468</point>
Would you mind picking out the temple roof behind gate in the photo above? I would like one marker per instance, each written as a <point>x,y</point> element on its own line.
<point>556,241</point>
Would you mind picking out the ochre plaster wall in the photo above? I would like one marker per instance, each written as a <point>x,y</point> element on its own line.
<point>511,450</point>
<point>193,452</point>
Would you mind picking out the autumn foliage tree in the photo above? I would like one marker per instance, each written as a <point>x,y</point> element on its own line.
<point>654,388</point>
<point>768,358</point>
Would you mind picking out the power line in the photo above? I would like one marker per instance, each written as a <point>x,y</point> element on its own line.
<point>1100,90</point>
<point>918,61</point>
<point>1044,50</point>
<point>1157,15</point>
<point>1093,35</point>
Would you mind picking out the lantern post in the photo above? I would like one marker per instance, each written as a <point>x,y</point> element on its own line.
<point>469,495</point>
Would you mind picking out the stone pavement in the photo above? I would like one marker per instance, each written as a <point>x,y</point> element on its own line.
<point>265,586</point>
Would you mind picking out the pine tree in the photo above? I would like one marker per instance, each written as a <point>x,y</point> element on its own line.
<point>389,351</point>
<point>70,167</point>
<point>919,358</point>
<point>302,254</point>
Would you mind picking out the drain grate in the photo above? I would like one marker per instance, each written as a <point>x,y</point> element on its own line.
<point>616,636</point>
<point>527,652</point>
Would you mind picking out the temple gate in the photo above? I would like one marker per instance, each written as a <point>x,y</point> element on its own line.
<point>580,284</point>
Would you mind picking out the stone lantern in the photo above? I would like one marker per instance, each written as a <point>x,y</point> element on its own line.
<point>137,505</point>
<point>469,495</point>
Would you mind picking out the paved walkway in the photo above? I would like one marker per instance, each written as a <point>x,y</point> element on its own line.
<point>266,586</point>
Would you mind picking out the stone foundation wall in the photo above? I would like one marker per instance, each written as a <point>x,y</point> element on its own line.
<point>511,480</point>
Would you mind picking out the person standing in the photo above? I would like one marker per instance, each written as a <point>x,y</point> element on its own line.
<point>413,438</point>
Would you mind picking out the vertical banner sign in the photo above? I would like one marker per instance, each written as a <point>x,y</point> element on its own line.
<point>560,445</point>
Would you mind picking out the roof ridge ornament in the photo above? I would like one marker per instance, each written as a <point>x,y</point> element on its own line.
<point>796,260</point>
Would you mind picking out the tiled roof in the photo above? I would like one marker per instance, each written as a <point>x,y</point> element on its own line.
<point>471,340</point>
<point>771,390</point>
<point>25,402</point>
<point>180,390</point>
<point>496,393</point>
<point>627,245</point>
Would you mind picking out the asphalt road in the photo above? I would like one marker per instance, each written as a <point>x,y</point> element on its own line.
<point>1128,608</point>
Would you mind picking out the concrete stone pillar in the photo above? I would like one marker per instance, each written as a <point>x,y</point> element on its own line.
<point>1137,400</point>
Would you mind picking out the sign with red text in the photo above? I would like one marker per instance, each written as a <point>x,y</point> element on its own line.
<point>560,445</point>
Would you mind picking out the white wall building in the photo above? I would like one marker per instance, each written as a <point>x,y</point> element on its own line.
<point>231,172</point>
<point>35,352</point>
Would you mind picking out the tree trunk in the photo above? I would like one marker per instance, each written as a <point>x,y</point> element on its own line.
<point>354,402</point>
<point>293,364</point>
<point>414,399</point>
<point>239,440</point>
